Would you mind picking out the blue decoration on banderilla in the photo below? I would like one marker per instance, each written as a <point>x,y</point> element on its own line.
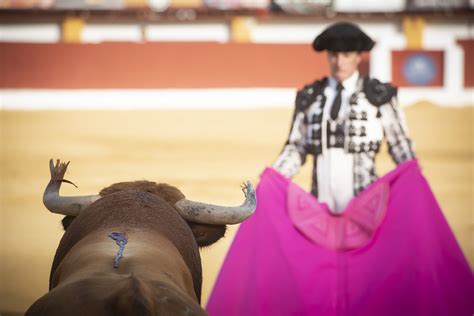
<point>121,241</point>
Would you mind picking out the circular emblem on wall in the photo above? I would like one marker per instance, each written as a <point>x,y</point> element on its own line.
<point>419,69</point>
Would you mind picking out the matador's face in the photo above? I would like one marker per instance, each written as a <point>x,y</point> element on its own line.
<point>343,64</point>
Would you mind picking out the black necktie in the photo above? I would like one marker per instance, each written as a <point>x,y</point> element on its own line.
<point>336,105</point>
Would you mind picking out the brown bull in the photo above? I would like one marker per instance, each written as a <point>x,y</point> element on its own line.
<point>132,249</point>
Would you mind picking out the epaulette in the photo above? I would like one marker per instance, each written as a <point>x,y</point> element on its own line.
<point>306,96</point>
<point>378,93</point>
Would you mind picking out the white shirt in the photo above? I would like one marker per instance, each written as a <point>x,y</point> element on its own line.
<point>334,165</point>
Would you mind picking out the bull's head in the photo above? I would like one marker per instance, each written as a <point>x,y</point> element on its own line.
<point>207,221</point>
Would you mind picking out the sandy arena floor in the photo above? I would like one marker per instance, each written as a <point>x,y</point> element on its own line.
<point>207,154</point>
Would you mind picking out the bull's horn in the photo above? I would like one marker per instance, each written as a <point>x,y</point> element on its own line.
<point>67,205</point>
<point>214,214</point>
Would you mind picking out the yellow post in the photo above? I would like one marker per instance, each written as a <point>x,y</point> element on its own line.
<point>241,29</point>
<point>72,29</point>
<point>136,3</point>
<point>413,29</point>
<point>186,3</point>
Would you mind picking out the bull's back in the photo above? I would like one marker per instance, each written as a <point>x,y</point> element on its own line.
<point>132,211</point>
<point>146,255</point>
<point>151,279</point>
<point>111,296</point>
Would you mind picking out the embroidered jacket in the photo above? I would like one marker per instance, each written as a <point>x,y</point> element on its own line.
<point>373,113</point>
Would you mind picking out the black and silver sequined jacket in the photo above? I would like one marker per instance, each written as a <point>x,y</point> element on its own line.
<point>373,114</point>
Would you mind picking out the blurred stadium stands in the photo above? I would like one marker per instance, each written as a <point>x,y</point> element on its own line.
<point>297,7</point>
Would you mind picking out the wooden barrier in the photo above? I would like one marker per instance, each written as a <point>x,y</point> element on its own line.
<point>160,65</point>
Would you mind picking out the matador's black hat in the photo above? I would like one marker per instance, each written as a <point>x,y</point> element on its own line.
<point>343,37</point>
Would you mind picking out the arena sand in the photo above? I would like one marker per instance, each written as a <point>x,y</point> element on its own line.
<point>206,153</point>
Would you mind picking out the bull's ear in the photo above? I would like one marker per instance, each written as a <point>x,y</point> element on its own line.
<point>207,234</point>
<point>67,220</point>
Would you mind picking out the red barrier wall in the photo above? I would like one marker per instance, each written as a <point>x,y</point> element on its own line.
<point>160,65</point>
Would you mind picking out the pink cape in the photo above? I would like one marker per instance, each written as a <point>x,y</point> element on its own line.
<point>285,260</point>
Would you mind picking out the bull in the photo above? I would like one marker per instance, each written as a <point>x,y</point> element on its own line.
<point>133,249</point>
